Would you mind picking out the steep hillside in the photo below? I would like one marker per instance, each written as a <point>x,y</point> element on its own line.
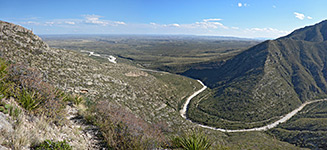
<point>74,72</point>
<point>153,97</point>
<point>265,81</point>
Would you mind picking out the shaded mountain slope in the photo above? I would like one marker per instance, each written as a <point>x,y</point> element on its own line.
<point>267,80</point>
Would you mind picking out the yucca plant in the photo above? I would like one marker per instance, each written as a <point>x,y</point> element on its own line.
<point>3,69</point>
<point>193,141</point>
<point>51,145</point>
<point>30,100</point>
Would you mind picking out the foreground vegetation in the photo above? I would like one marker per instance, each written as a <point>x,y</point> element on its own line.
<point>120,129</point>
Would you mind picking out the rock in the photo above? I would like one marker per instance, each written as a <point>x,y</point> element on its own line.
<point>89,83</point>
<point>3,148</point>
<point>4,124</point>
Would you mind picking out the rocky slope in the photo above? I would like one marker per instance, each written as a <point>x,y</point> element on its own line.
<point>154,97</point>
<point>78,73</point>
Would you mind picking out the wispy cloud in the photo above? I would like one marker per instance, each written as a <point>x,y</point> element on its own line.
<point>214,26</point>
<point>70,22</point>
<point>211,23</point>
<point>212,19</point>
<point>85,20</point>
<point>94,19</point>
<point>31,23</point>
<point>165,25</point>
<point>301,16</point>
<point>266,32</point>
<point>119,23</point>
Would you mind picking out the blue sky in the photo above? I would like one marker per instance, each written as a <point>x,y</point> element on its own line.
<point>239,18</point>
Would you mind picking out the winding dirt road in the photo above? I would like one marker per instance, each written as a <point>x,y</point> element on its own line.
<point>263,128</point>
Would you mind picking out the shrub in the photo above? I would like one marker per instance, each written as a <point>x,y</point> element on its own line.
<point>51,145</point>
<point>193,141</point>
<point>121,129</point>
<point>27,86</point>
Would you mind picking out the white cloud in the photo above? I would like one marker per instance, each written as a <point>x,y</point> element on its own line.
<point>302,16</point>
<point>242,5</point>
<point>274,6</point>
<point>299,15</point>
<point>70,22</point>
<point>174,25</point>
<point>211,23</point>
<point>165,25</point>
<point>94,19</point>
<point>119,23</point>
<point>211,19</point>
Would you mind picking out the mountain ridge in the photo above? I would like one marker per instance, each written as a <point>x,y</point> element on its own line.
<point>312,33</point>
<point>274,76</point>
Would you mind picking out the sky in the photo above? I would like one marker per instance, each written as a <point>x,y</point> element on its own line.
<point>237,18</point>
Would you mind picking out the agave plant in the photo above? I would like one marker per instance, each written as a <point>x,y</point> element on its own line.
<point>193,141</point>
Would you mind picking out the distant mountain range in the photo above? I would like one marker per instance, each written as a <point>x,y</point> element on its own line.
<point>151,36</point>
<point>267,80</point>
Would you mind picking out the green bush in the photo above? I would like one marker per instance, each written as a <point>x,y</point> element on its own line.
<point>193,141</point>
<point>51,145</point>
